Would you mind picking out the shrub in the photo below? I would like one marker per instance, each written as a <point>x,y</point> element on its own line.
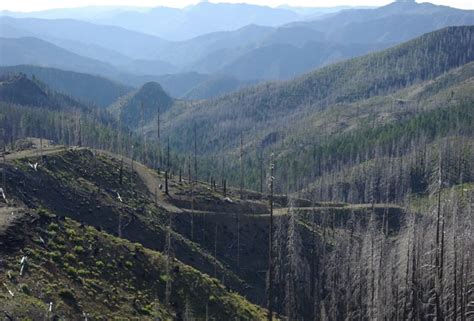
<point>71,232</point>
<point>67,295</point>
<point>53,227</point>
<point>70,257</point>
<point>78,249</point>
<point>164,278</point>
<point>55,256</point>
<point>71,271</point>
<point>24,288</point>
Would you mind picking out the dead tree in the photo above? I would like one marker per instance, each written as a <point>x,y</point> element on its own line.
<point>195,155</point>
<point>121,172</point>
<point>79,134</point>
<point>270,246</point>
<point>241,166</point>
<point>142,125</point>
<point>169,258</point>
<point>4,150</point>
<point>168,161</point>
<point>158,138</point>
<point>439,245</point>
<point>215,250</point>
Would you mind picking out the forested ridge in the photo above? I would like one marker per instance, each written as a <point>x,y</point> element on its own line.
<point>344,194</point>
<point>89,89</point>
<point>308,117</point>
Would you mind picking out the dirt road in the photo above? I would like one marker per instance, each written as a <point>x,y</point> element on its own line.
<point>150,178</point>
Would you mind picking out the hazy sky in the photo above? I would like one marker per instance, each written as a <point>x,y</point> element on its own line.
<point>34,5</point>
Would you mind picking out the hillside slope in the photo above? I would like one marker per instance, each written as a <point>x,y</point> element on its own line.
<point>74,270</point>
<point>83,87</point>
<point>202,226</point>
<point>21,90</point>
<point>277,105</point>
<point>283,61</point>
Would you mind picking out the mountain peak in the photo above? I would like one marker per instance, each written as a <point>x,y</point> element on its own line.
<point>152,86</point>
<point>143,105</point>
<point>405,3</point>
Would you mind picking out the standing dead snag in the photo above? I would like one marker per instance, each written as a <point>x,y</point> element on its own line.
<point>3,168</point>
<point>439,245</point>
<point>143,136</point>
<point>4,182</point>
<point>241,166</point>
<point>158,139</point>
<point>169,259</point>
<point>195,155</point>
<point>168,161</point>
<point>215,250</point>
<point>79,134</point>
<point>41,144</point>
<point>270,246</point>
<point>238,240</point>
<point>131,165</point>
<point>121,172</point>
<point>261,169</point>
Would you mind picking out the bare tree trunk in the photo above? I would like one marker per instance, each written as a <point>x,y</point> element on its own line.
<point>241,166</point>
<point>270,247</point>
<point>438,279</point>
<point>169,259</point>
<point>159,139</point>
<point>195,155</point>
<point>215,250</point>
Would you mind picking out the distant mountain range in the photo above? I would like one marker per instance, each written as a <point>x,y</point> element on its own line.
<point>239,57</point>
<point>34,51</point>
<point>186,23</point>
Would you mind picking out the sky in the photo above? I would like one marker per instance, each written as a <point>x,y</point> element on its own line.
<point>37,5</point>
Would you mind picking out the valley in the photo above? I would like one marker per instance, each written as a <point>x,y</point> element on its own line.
<point>84,189</point>
<point>263,163</point>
